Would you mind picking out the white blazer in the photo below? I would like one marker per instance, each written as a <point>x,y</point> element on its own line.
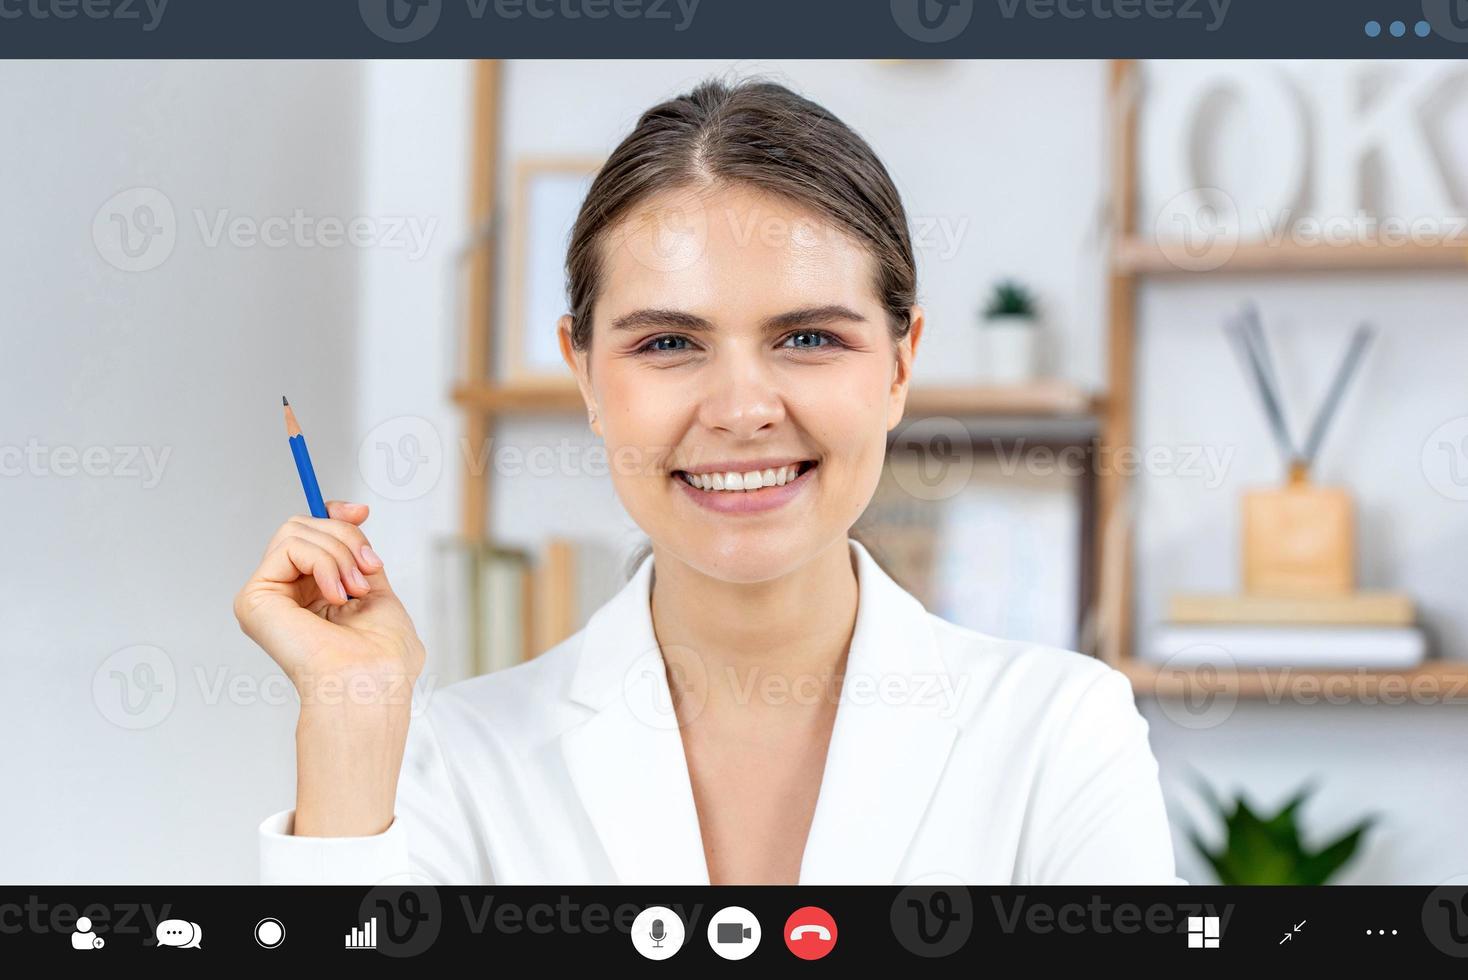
<point>955,757</point>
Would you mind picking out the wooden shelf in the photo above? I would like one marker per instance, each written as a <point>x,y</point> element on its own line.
<point>1045,399</point>
<point>521,399</point>
<point>1041,399</point>
<point>1434,681</point>
<point>1136,256</point>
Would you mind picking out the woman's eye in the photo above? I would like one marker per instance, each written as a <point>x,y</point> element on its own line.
<point>808,339</point>
<point>665,343</point>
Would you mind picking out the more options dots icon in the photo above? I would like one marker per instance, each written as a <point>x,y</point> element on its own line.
<point>734,933</point>
<point>657,932</point>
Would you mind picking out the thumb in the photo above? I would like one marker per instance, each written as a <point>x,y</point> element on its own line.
<point>345,510</point>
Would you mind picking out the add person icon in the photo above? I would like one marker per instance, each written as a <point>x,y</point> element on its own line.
<point>84,938</point>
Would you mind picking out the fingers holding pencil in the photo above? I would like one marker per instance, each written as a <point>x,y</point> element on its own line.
<point>371,562</point>
<point>362,569</point>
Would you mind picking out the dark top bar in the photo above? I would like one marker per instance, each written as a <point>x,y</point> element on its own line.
<point>733,28</point>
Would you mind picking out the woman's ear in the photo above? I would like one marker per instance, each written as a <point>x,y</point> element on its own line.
<point>579,363</point>
<point>902,369</point>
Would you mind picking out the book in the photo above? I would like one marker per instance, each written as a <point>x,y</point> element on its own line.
<point>1355,608</point>
<point>502,610</point>
<point>572,579</point>
<point>477,618</point>
<point>1305,647</point>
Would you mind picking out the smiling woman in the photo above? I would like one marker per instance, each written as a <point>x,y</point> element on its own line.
<point>761,702</point>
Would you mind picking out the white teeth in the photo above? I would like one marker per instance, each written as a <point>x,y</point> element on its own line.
<point>752,480</point>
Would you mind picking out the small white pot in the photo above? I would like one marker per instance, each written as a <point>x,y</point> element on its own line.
<point>1011,349</point>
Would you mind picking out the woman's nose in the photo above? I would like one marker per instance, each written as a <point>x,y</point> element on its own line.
<point>742,397</point>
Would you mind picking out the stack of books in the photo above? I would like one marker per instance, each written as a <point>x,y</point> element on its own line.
<point>494,607</point>
<point>1373,630</point>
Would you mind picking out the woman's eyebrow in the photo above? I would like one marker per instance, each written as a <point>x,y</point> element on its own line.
<point>679,320</point>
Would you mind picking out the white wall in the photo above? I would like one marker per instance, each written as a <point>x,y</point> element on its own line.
<point>190,357</point>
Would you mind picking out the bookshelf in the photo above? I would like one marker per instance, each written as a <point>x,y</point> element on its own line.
<point>1042,399</point>
<point>1436,680</point>
<point>1035,408</point>
<point>1138,257</point>
<point>1132,260</point>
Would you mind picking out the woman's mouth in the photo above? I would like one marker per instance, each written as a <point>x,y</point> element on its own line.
<point>736,491</point>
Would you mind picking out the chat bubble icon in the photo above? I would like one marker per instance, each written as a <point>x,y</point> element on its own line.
<point>179,933</point>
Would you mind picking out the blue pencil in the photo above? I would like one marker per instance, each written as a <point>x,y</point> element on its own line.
<point>303,462</point>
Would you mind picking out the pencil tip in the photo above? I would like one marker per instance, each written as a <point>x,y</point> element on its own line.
<point>283,401</point>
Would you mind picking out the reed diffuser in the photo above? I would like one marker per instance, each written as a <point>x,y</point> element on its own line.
<point>1299,539</point>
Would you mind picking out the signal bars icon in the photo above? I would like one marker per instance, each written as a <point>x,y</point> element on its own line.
<point>363,938</point>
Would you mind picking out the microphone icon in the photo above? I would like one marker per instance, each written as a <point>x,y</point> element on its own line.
<point>657,933</point>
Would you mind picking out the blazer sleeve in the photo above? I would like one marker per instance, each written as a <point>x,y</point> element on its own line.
<point>1098,816</point>
<point>430,841</point>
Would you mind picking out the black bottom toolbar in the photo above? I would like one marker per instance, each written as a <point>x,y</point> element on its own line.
<point>850,925</point>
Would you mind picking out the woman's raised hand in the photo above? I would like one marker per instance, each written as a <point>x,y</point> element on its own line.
<point>321,606</point>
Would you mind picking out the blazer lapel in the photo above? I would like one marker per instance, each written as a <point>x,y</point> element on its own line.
<point>890,741</point>
<point>627,760</point>
<point>888,748</point>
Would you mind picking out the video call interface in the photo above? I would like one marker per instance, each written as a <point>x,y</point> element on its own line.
<point>892,482</point>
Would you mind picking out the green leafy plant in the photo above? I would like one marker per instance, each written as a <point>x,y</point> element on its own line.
<point>1268,850</point>
<point>1010,299</point>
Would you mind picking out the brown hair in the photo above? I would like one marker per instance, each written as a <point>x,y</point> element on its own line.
<point>757,133</point>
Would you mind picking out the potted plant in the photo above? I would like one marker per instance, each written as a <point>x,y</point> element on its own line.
<point>1011,334</point>
<point>1268,850</point>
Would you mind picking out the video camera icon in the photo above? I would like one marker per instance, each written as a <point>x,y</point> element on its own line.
<point>734,933</point>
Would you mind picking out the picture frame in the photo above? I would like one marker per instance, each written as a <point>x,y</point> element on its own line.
<point>548,192</point>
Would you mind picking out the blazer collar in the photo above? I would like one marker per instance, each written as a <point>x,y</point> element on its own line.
<point>891,739</point>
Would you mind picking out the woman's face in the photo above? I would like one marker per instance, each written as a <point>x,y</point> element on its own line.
<point>736,332</point>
